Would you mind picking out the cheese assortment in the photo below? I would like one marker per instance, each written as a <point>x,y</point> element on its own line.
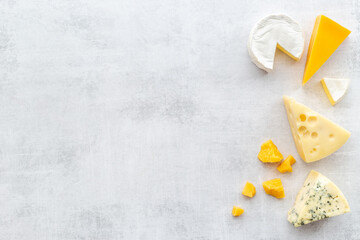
<point>326,37</point>
<point>275,31</point>
<point>335,88</point>
<point>315,136</point>
<point>318,198</point>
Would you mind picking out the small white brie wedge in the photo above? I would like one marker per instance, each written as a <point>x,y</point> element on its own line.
<point>335,88</point>
<point>275,31</point>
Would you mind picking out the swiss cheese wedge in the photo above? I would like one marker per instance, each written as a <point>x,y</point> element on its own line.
<point>326,37</point>
<point>319,198</point>
<point>315,136</point>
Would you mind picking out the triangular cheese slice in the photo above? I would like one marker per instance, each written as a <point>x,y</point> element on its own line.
<point>335,88</point>
<point>319,198</point>
<point>315,136</point>
<point>326,37</point>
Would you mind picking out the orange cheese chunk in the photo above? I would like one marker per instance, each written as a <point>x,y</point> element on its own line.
<point>274,188</point>
<point>237,211</point>
<point>285,166</point>
<point>249,190</point>
<point>269,153</point>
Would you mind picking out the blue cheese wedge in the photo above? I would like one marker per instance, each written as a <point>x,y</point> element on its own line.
<point>319,198</point>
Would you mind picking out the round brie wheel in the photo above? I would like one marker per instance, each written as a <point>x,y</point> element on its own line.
<point>275,31</point>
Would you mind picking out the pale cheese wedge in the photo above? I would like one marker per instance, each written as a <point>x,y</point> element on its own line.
<point>275,31</point>
<point>335,88</point>
<point>315,136</point>
<point>318,198</point>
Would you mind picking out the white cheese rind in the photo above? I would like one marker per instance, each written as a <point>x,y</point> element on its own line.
<point>319,198</point>
<point>337,87</point>
<point>271,32</point>
<point>314,135</point>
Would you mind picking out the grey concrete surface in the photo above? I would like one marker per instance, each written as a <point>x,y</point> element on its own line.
<point>129,119</point>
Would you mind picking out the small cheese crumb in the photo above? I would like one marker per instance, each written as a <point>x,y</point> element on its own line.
<point>274,188</point>
<point>285,166</point>
<point>237,211</point>
<point>269,153</point>
<point>249,190</point>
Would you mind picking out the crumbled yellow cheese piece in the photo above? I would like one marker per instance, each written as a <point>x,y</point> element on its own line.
<point>285,166</point>
<point>269,153</point>
<point>237,211</point>
<point>274,188</point>
<point>249,190</point>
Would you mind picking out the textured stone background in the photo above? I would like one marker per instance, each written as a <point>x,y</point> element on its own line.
<point>142,120</point>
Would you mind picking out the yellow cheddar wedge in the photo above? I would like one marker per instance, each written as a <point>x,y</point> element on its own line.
<point>315,136</point>
<point>326,37</point>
